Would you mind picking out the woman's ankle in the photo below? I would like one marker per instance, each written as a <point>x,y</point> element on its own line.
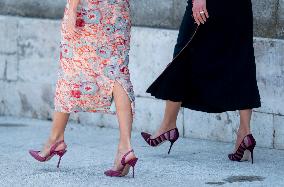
<point>54,139</point>
<point>124,147</point>
<point>168,126</point>
<point>243,132</point>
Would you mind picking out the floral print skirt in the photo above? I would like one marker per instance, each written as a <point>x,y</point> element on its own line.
<point>92,61</point>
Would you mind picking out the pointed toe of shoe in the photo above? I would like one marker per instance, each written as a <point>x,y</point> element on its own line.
<point>112,173</point>
<point>35,155</point>
<point>108,173</point>
<point>230,156</point>
<point>145,135</point>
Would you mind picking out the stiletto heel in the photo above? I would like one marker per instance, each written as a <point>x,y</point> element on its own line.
<point>171,135</point>
<point>248,143</point>
<point>125,169</point>
<point>251,154</point>
<point>58,161</point>
<point>172,143</point>
<point>52,152</point>
<point>60,154</point>
<point>132,163</point>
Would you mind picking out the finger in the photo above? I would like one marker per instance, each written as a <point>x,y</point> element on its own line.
<point>203,16</point>
<point>206,13</point>
<point>196,19</point>
<point>199,18</point>
<point>194,16</point>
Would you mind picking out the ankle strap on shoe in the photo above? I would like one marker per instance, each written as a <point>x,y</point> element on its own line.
<point>54,146</point>
<point>124,156</point>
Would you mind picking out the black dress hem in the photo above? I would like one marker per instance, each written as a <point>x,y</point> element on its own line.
<point>208,109</point>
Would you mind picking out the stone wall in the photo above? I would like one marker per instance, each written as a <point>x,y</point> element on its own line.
<point>28,65</point>
<point>268,14</point>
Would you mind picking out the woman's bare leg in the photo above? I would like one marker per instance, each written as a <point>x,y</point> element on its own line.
<point>57,131</point>
<point>125,120</point>
<point>170,117</point>
<point>244,129</point>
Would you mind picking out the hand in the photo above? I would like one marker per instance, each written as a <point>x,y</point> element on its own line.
<point>199,11</point>
<point>70,24</point>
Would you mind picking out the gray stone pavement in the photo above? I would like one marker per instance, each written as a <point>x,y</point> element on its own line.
<point>90,151</point>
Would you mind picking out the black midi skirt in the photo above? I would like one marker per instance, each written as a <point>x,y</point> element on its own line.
<point>213,69</point>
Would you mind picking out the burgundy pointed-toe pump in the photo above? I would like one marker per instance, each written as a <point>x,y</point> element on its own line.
<point>247,144</point>
<point>171,136</point>
<point>52,152</point>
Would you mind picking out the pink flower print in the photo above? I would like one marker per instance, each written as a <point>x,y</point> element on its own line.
<point>76,86</point>
<point>124,70</point>
<point>93,17</point>
<point>75,93</point>
<point>66,51</point>
<point>94,2</point>
<point>89,88</point>
<point>104,52</point>
<point>80,23</point>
